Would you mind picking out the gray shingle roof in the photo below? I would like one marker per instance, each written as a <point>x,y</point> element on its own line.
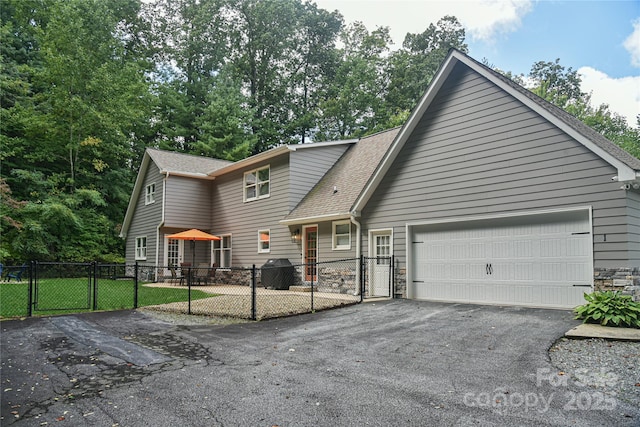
<point>170,161</point>
<point>349,176</point>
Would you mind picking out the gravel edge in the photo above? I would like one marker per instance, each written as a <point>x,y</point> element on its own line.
<point>608,366</point>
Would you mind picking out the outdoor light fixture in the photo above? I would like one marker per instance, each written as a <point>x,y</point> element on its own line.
<point>295,236</point>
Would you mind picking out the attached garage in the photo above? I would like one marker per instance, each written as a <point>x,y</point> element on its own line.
<point>539,260</point>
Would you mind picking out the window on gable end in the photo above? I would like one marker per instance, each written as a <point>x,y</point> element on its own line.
<point>149,195</point>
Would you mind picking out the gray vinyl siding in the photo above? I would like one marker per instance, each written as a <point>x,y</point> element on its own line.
<point>325,244</point>
<point>231,215</point>
<point>308,165</point>
<point>478,151</point>
<point>188,203</point>
<point>146,218</point>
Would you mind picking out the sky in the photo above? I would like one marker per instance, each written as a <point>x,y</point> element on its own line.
<point>599,39</point>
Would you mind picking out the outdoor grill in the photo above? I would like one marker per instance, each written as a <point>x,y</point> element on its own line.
<point>277,273</point>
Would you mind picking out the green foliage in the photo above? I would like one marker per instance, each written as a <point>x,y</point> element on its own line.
<point>412,67</point>
<point>609,308</point>
<point>87,85</point>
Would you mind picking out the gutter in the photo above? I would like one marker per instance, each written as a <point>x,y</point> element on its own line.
<point>358,252</point>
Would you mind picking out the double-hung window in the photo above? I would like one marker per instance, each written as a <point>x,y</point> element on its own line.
<point>264,241</point>
<point>222,251</point>
<point>341,235</point>
<point>149,195</point>
<point>141,248</point>
<point>256,184</point>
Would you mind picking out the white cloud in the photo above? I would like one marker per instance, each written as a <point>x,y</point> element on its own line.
<point>632,44</point>
<point>485,19</point>
<point>621,94</point>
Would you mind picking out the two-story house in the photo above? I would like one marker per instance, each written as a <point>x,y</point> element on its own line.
<point>487,194</point>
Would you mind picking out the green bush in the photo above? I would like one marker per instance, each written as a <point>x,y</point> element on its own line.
<point>609,308</point>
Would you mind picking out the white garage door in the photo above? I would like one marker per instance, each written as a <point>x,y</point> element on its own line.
<point>539,260</point>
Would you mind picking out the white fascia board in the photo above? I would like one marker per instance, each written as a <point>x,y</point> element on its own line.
<point>187,174</point>
<point>320,218</point>
<point>133,200</point>
<point>261,157</point>
<point>405,132</point>
<point>625,173</point>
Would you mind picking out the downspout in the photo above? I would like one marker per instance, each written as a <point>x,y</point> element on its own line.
<point>358,252</point>
<point>161,224</point>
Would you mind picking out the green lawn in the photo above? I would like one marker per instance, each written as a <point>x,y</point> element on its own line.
<point>58,296</point>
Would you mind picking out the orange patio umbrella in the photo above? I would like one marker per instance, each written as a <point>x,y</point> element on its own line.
<point>193,235</point>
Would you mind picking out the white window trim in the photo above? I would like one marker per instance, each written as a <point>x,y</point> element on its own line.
<point>245,186</point>
<point>222,250</point>
<point>138,256</point>
<point>334,236</point>
<point>260,250</point>
<point>150,197</point>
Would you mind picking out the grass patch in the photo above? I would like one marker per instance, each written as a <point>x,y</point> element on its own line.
<point>59,296</point>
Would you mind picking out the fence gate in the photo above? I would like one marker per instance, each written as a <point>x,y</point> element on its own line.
<point>378,276</point>
<point>63,286</point>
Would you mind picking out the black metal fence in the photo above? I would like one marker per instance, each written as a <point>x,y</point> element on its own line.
<point>240,292</point>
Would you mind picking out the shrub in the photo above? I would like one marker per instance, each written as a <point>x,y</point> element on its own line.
<point>609,308</point>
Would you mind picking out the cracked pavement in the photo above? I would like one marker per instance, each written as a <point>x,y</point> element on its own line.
<point>384,363</point>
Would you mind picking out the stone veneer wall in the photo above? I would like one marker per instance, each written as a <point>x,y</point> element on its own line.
<point>400,281</point>
<point>625,280</point>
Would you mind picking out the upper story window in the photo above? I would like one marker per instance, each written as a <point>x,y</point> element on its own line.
<point>141,248</point>
<point>264,241</point>
<point>256,184</point>
<point>149,195</point>
<point>341,235</point>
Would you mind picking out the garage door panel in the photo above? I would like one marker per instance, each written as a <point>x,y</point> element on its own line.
<point>534,261</point>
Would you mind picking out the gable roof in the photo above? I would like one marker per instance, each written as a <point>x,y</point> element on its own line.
<point>334,195</point>
<point>185,164</point>
<point>169,163</point>
<point>628,166</point>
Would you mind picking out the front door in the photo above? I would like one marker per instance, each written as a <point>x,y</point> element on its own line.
<point>310,251</point>
<point>380,265</point>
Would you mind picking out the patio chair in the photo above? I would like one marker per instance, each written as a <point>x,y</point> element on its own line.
<point>16,274</point>
<point>203,273</point>
<point>184,271</point>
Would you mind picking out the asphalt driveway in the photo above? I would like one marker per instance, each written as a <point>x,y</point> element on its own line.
<point>386,363</point>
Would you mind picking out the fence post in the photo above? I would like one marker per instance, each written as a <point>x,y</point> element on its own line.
<point>253,292</point>
<point>312,271</point>
<point>135,285</point>
<point>361,281</point>
<point>94,264</point>
<point>392,282</point>
<point>30,291</point>
<point>189,277</point>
